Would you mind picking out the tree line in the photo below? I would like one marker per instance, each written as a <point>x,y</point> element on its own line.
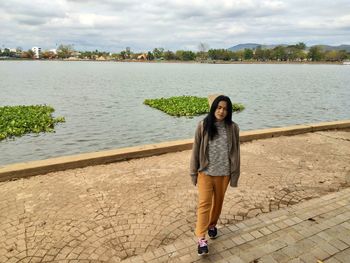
<point>294,53</point>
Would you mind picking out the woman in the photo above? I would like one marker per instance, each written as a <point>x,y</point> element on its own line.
<point>215,162</point>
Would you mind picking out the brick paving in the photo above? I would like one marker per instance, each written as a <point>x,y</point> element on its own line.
<point>313,231</point>
<point>292,205</point>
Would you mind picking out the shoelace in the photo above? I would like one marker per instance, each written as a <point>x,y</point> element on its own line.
<point>202,242</point>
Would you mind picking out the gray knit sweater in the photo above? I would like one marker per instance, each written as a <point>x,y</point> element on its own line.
<point>219,164</point>
<point>200,156</point>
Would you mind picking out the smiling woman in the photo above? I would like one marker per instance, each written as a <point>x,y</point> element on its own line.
<point>19,120</point>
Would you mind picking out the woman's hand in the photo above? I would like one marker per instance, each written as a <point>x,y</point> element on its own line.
<point>194,179</point>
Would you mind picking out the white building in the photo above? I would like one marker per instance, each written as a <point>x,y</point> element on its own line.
<point>37,51</point>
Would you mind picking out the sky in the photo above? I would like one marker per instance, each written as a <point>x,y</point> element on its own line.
<point>113,25</point>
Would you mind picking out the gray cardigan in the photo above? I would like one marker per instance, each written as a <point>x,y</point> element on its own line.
<point>199,157</point>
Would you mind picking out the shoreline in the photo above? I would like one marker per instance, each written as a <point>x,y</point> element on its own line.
<point>187,62</point>
<point>26,169</point>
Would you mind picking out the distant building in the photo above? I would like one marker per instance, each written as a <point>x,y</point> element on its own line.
<point>37,51</point>
<point>54,50</point>
<point>142,56</point>
<point>101,58</point>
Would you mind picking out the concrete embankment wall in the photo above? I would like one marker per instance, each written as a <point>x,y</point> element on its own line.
<point>21,170</point>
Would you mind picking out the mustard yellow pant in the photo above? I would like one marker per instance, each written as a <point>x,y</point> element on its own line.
<point>211,193</point>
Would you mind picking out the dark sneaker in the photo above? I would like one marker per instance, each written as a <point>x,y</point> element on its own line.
<point>202,247</point>
<point>213,232</point>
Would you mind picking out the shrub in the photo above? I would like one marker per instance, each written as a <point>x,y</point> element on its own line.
<point>184,105</point>
<point>19,120</point>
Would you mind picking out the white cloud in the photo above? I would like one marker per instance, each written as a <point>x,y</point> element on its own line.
<point>342,22</point>
<point>181,24</point>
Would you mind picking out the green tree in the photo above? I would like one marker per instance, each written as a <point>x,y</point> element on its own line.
<point>116,56</point>
<point>158,52</point>
<point>301,55</point>
<point>279,53</point>
<point>296,52</point>
<point>185,55</point>
<point>123,54</point>
<point>240,55</point>
<point>291,53</point>
<point>6,52</point>
<point>248,54</point>
<point>86,54</point>
<point>331,55</point>
<point>262,54</point>
<point>227,55</point>
<point>128,52</point>
<point>300,46</point>
<point>335,55</point>
<point>214,54</point>
<point>65,51</point>
<point>234,56</point>
<point>220,54</point>
<point>150,56</point>
<point>316,53</point>
<point>259,54</point>
<point>343,55</point>
<point>169,55</point>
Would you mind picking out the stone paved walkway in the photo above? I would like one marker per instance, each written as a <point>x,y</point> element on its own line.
<point>115,212</point>
<point>313,231</point>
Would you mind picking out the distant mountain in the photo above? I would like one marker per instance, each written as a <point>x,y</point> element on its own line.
<point>244,46</point>
<point>254,46</point>
<point>340,47</point>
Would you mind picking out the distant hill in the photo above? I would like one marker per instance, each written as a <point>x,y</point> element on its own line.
<point>254,46</point>
<point>244,46</point>
<point>341,47</point>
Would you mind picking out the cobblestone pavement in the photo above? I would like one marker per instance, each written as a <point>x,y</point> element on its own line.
<point>112,213</point>
<point>314,231</point>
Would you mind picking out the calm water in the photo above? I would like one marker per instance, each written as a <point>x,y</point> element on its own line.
<point>102,102</point>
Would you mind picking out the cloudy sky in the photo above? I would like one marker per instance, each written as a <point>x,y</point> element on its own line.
<point>112,25</point>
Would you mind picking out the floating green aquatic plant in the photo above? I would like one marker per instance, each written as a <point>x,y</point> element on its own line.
<point>19,120</point>
<point>184,105</point>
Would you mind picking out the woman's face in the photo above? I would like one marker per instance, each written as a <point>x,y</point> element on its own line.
<point>221,111</point>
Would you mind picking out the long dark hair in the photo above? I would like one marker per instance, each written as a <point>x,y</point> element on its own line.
<point>209,120</point>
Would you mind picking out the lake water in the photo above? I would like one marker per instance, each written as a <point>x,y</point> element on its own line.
<point>102,102</point>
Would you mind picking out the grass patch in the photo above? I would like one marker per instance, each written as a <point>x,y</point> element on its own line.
<point>184,105</point>
<point>19,120</point>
